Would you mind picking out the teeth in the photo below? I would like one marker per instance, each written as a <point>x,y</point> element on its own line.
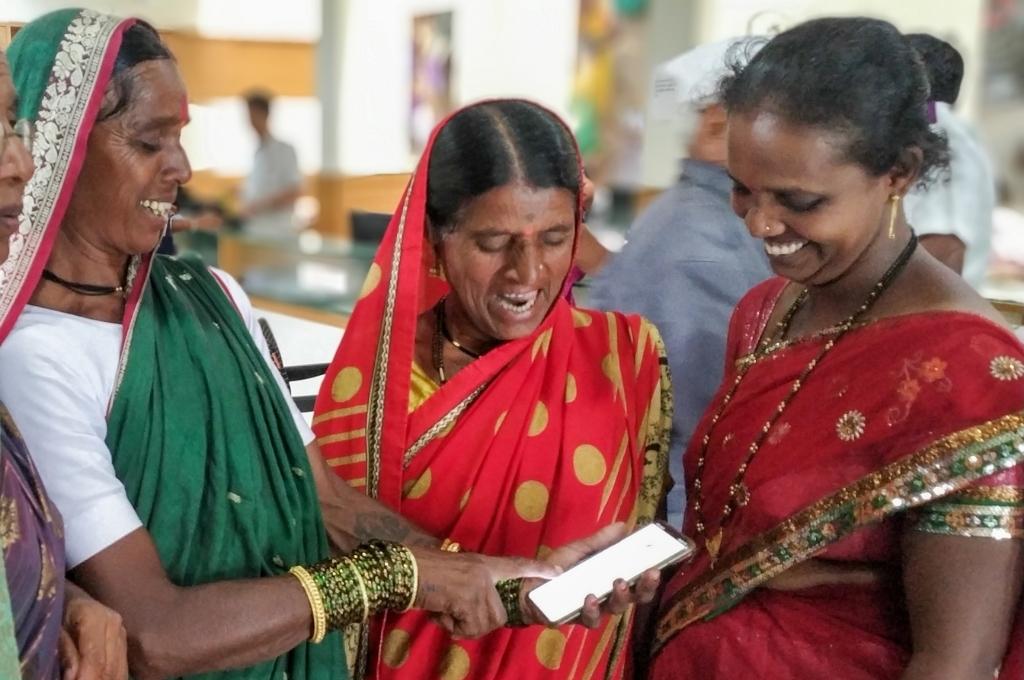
<point>158,208</point>
<point>517,303</point>
<point>781,249</point>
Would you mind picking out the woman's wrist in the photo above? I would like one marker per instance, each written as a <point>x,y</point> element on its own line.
<point>511,592</point>
<point>374,578</point>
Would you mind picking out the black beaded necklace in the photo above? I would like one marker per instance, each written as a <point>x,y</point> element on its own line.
<point>442,333</point>
<point>88,289</point>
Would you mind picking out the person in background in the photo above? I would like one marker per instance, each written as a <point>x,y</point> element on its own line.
<point>275,183</point>
<point>954,219</point>
<point>58,630</point>
<point>688,259</point>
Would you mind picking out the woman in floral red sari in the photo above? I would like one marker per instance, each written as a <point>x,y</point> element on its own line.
<point>856,485</point>
<point>471,396</point>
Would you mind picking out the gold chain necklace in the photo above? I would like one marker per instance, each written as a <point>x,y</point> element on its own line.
<point>739,494</point>
<point>441,333</point>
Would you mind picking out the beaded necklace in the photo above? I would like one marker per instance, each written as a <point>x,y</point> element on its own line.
<point>739,494</point>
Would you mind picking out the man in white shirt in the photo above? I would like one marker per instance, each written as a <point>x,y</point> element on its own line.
<point>274,184</point>
<point>954,218</point>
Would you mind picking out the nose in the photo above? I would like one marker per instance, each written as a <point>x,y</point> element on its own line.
<point>16,162</point>
<point>760,223</point>
<point>178,169</point>
<point>527,264</point>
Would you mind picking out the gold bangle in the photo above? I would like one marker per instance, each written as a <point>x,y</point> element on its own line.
<point>316,603</point>
<point>450,546</point>
<point>415,577</point>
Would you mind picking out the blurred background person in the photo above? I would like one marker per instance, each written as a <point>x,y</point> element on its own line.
<point>954,218</point>
<point>275,182</point>
<point>688,258</point>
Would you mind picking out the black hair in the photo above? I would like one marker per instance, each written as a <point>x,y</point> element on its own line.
<point>856,77</point>
<point>259,101</point>
<point>942,62</point>
<point>140,43</point>
<point>493,144</point>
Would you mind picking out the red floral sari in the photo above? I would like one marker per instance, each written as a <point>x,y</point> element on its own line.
<point>540,442</point>
<point>909,422</point>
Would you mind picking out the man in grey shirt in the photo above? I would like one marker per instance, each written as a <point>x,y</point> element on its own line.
<point>688,259</point>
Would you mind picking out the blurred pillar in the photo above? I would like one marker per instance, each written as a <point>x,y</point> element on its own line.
<point>673,28</point>
<point>328,80</point>
<point>329,55</point>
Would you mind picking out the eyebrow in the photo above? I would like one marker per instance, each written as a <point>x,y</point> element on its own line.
<point>163,121</point>
<point>498,232</point>
<point>781,190</point>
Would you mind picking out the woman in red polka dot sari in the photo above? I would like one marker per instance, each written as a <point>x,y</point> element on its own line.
<point>472,397</point>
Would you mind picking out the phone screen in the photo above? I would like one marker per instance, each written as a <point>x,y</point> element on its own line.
<point>651,547</point>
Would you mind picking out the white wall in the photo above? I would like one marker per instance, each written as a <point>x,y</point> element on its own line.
<point>162,13</point>
<point>297,20</point>
<point>240,19</point>
<point>501,48</point>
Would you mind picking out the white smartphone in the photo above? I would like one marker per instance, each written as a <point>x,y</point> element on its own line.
<point>653,547</point>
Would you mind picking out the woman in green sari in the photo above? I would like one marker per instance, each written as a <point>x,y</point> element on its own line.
<point>189,484</point>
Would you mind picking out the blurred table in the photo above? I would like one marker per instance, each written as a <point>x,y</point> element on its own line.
<point>304,275</point>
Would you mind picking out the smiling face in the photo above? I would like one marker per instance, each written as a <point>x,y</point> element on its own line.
<point>15,162</point>
<point>818,214</point>
<point>506,261</point>
<point>134,165</point>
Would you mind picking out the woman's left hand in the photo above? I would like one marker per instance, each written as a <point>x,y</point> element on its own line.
<point>93,641</point>
<point>622,596</point>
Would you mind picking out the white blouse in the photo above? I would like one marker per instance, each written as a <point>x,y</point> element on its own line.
<point>57,375</point>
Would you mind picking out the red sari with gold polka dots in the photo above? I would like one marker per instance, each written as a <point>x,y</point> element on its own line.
<point>540,442</point>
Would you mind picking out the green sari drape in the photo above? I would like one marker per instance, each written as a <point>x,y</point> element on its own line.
<point>203,440</point>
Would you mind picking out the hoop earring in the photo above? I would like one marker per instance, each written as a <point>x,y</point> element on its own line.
<point>894,204</point>
<point>437,271</point>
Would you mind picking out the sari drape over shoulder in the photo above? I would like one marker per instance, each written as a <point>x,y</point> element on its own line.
<point>199,433</point>
<point>541,441</point>
<point>33,561</point>
<point>912,422</point>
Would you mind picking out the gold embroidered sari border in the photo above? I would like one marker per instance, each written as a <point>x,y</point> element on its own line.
<point>441,425</point>
<point>998,495</point>
<point>1000,522</point>
<point>939,469</point>
<point>376,399</point>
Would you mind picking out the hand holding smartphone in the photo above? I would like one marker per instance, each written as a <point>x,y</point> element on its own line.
<point>655,546</point>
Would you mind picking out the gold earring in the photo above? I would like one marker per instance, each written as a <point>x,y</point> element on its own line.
<point>894,204</point>
<point>437,271</point>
